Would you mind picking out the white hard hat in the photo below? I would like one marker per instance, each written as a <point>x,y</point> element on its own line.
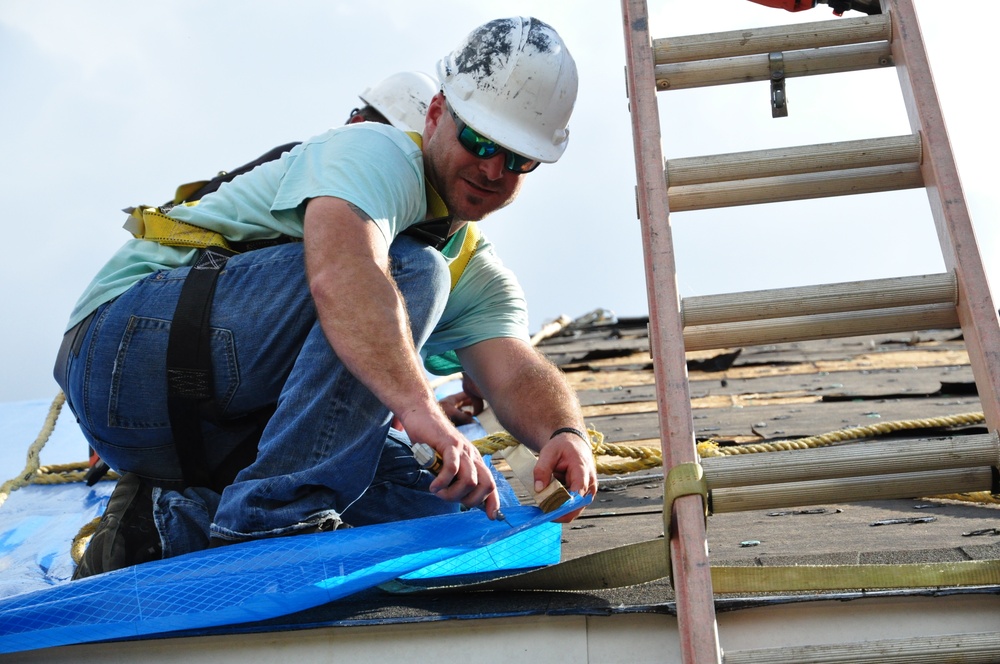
<point>513,81</point>
<point>403,99</point>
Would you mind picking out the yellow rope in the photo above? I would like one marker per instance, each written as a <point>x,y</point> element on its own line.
<point>31,466</point>
<point>971,497</point>
<point>712,449</point>
<point>643,457</point>
<point>82,539</point>
<point>630,458</point>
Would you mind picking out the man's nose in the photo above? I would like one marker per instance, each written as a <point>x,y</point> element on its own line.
<point>493,166</point>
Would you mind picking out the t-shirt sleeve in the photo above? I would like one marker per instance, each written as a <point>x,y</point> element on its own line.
<point>487,303</point>
<point>374,167</point>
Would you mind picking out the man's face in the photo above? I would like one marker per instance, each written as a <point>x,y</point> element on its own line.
<point>471,187</point>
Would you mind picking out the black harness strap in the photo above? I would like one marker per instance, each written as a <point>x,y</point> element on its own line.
<point>189,365</point>
<point>190,381</point>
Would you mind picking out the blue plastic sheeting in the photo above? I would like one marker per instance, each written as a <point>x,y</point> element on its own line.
<point>37,526</point>
<point>250,581</point>
<point>38,523</point>
<point>41,607</point>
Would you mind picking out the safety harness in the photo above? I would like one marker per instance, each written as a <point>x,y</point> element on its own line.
<point>189,361</point>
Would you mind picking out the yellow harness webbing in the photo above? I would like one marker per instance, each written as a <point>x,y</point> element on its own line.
<point>150,223</point>
<point>468,250</point>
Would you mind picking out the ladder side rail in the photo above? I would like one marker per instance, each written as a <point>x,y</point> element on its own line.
<point>754,41</point>
<point>819,299</point>
<point>977,311</point>
<point>697,625</point>
<point>795,64</point>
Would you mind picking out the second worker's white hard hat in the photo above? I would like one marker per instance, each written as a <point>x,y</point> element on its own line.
<point>402,98</point>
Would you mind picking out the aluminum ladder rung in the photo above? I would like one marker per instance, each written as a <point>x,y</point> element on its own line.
<point>912,291</point>
<point>821,157</point>
<point>822,326</point>
<point>749,68</point>
<point>885,457</point>
<point>853,489</point>
<point>798,187</point>
<point>754,41</point>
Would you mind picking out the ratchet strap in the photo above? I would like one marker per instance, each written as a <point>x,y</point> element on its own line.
<point>648,561</point>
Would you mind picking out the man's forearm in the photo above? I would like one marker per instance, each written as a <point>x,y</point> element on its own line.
<point>533,400</point>
<point>530,396</point>
<point>360,310</point>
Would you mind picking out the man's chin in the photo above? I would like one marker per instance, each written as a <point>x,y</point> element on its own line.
<point>473,210</point>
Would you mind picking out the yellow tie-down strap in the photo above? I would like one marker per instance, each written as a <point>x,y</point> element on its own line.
<point>647,561</point>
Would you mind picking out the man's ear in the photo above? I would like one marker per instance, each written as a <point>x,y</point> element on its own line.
<point>435,111</point>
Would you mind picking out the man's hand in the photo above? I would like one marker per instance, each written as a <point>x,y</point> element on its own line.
<point>461,408</point>
<point>531,398</point>
<point>463,476</point>
<point>569,459</point>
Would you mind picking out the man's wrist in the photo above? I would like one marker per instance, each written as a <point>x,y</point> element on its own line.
<point>572,430</point>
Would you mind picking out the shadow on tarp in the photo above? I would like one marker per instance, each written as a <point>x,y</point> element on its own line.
<point>251,581</point>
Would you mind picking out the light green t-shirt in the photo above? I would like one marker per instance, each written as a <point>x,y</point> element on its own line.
<point>373,166</point>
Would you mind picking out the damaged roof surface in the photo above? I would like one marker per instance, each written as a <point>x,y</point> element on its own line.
<point>739,396</point>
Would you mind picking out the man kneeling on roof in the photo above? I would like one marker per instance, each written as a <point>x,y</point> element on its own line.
<point>178,355</point>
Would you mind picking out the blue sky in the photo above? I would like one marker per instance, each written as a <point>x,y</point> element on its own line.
<point>110,103</point>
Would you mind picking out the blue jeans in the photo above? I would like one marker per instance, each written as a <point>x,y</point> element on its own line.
<point>325,447</point>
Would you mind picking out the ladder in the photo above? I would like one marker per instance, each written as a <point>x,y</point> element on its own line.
<point>959,297</point>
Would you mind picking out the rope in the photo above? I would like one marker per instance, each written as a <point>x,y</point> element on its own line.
<point>82,539</point>
<point>712,449</point>
<point>31,466</point>
<point>643,458</point>
<point>626,458</point>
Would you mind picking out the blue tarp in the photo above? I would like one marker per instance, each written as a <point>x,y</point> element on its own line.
<point>40,607</point>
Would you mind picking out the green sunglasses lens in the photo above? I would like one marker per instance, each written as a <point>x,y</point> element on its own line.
<point>484,148</point>
<point>478,145</point>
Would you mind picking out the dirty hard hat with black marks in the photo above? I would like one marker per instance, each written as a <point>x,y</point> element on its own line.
<point>514,81</point>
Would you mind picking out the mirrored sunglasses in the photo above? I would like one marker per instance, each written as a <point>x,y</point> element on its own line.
<point>484,148</point>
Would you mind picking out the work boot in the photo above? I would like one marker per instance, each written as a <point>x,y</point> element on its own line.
<point>126,534</point>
